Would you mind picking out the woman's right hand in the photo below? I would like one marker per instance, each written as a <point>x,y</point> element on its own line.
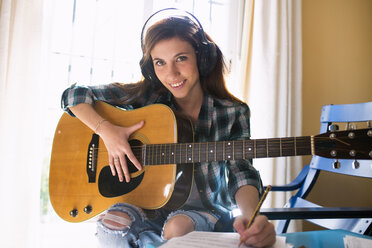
<point>117,145</point>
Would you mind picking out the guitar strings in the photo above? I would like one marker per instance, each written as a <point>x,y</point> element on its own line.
<point>263,148</point>
<point>246,144</point>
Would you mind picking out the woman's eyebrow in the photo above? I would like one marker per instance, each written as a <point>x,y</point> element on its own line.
<point>176,55</point>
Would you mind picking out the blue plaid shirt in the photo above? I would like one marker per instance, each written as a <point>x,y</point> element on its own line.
<point>219,120</point>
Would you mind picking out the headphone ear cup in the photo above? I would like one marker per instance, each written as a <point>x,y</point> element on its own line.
<point>207,57</point>
<point>148,71</point>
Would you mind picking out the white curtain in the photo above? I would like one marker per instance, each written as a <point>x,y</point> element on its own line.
<point>273,73</point>
<point>20,122</point>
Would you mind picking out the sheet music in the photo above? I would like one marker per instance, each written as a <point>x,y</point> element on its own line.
<point>213,239</point>
<point>355,242</point>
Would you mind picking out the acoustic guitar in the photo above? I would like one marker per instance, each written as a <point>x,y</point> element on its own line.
<point>81,184</point>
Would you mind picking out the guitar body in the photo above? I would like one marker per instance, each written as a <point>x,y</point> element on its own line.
<point>80,181</point>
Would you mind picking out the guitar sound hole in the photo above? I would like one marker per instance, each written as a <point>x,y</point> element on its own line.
<point>110,186</point>
<point>136,146</point>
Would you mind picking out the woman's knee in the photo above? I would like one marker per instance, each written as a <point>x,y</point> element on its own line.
<point>177,226</point>
<point>116,220</point>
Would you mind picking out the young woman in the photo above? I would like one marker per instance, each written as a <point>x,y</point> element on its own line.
<point>184,69</point>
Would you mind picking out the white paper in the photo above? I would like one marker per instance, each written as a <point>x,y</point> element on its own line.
<point>356,242</point>
<point>213,239</point>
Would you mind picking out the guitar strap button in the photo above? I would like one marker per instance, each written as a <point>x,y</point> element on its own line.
<point>74,212</point>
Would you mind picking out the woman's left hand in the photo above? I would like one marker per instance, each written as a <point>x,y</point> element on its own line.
<point>260,234</point>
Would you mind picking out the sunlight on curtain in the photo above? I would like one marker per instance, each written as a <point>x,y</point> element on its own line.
<point>33,73</point>
<point>30,88</point>
<point>274,85</point>
<point>20,122</point>
<point>246,49</point>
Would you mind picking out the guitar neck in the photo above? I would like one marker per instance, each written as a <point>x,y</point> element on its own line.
<point>157,154</point>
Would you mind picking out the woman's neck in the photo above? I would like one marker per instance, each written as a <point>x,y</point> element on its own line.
<point>191,107</point>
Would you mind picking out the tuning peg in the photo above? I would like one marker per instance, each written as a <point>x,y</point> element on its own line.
<point>333,153</point>
<point>351,135</point>
<point>355,164</point>
<point>336,164</point>
<point>350,126</point>
<point>352,153</point>
<point>333,128</point>
<point>369,133</point>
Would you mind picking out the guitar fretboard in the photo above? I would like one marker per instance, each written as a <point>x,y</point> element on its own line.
<point>157,154</point>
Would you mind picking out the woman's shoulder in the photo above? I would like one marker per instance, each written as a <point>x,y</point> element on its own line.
<point>227,103</point>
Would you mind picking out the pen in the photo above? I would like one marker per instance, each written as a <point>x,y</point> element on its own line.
<point>257,210</point>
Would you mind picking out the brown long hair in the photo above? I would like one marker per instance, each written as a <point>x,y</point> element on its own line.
<point>213,83</point>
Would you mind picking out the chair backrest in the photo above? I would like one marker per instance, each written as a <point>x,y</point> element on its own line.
<point>333,117</point>
<point>352,116</point>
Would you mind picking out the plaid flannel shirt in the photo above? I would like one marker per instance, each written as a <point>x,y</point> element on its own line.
<point>219,120</point>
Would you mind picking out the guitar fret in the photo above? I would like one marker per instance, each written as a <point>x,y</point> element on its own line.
<point>180,153</point>
<point>170,154</point>
<point>165,154</point>
<point>158,157</point>
<point>187,153</point>
<point>233,150</point>
<point>215,151</point>
<point>192,156</point>
<point>151,158</point>
<point>199,151</point>
<point>223,151</point>
<point>176,154</point>
<point>144,155</point>
<point>206,152</point>
<point>255,149</point>
<point>238,150</point>
<point>304,145</point>
<point>161,154</point>
<point>295,147</point>
<point>243,149</point>
<point>275,148</point>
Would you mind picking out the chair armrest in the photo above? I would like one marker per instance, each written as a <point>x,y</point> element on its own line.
<point>295,184</point>
<point>316,213</point>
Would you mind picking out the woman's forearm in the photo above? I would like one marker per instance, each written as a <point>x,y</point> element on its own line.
<point>86,113</point>
<point>247,199</point>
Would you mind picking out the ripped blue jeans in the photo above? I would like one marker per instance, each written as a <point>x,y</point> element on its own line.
<point>144,229</point>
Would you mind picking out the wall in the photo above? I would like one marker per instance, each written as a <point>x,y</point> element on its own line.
<point>337,69</point>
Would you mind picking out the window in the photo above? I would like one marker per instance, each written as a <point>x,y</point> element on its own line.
<point>98,42</point>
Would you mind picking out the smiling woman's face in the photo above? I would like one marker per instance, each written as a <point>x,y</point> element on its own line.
<point>175,65</point>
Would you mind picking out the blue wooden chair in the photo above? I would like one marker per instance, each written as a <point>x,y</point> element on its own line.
<point>358,220</point>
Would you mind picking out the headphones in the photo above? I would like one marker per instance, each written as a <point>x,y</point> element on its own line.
<point>206,50</point>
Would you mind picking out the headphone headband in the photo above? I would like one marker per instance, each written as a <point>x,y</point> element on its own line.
<point>206,51</point>
<point>170,12</point>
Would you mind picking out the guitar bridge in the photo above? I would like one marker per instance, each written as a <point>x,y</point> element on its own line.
<point>92,158</point>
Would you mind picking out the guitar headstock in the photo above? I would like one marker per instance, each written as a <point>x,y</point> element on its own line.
<point>351,144</point>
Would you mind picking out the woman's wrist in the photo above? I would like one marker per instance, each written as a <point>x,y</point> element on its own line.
<point>98,125</point>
